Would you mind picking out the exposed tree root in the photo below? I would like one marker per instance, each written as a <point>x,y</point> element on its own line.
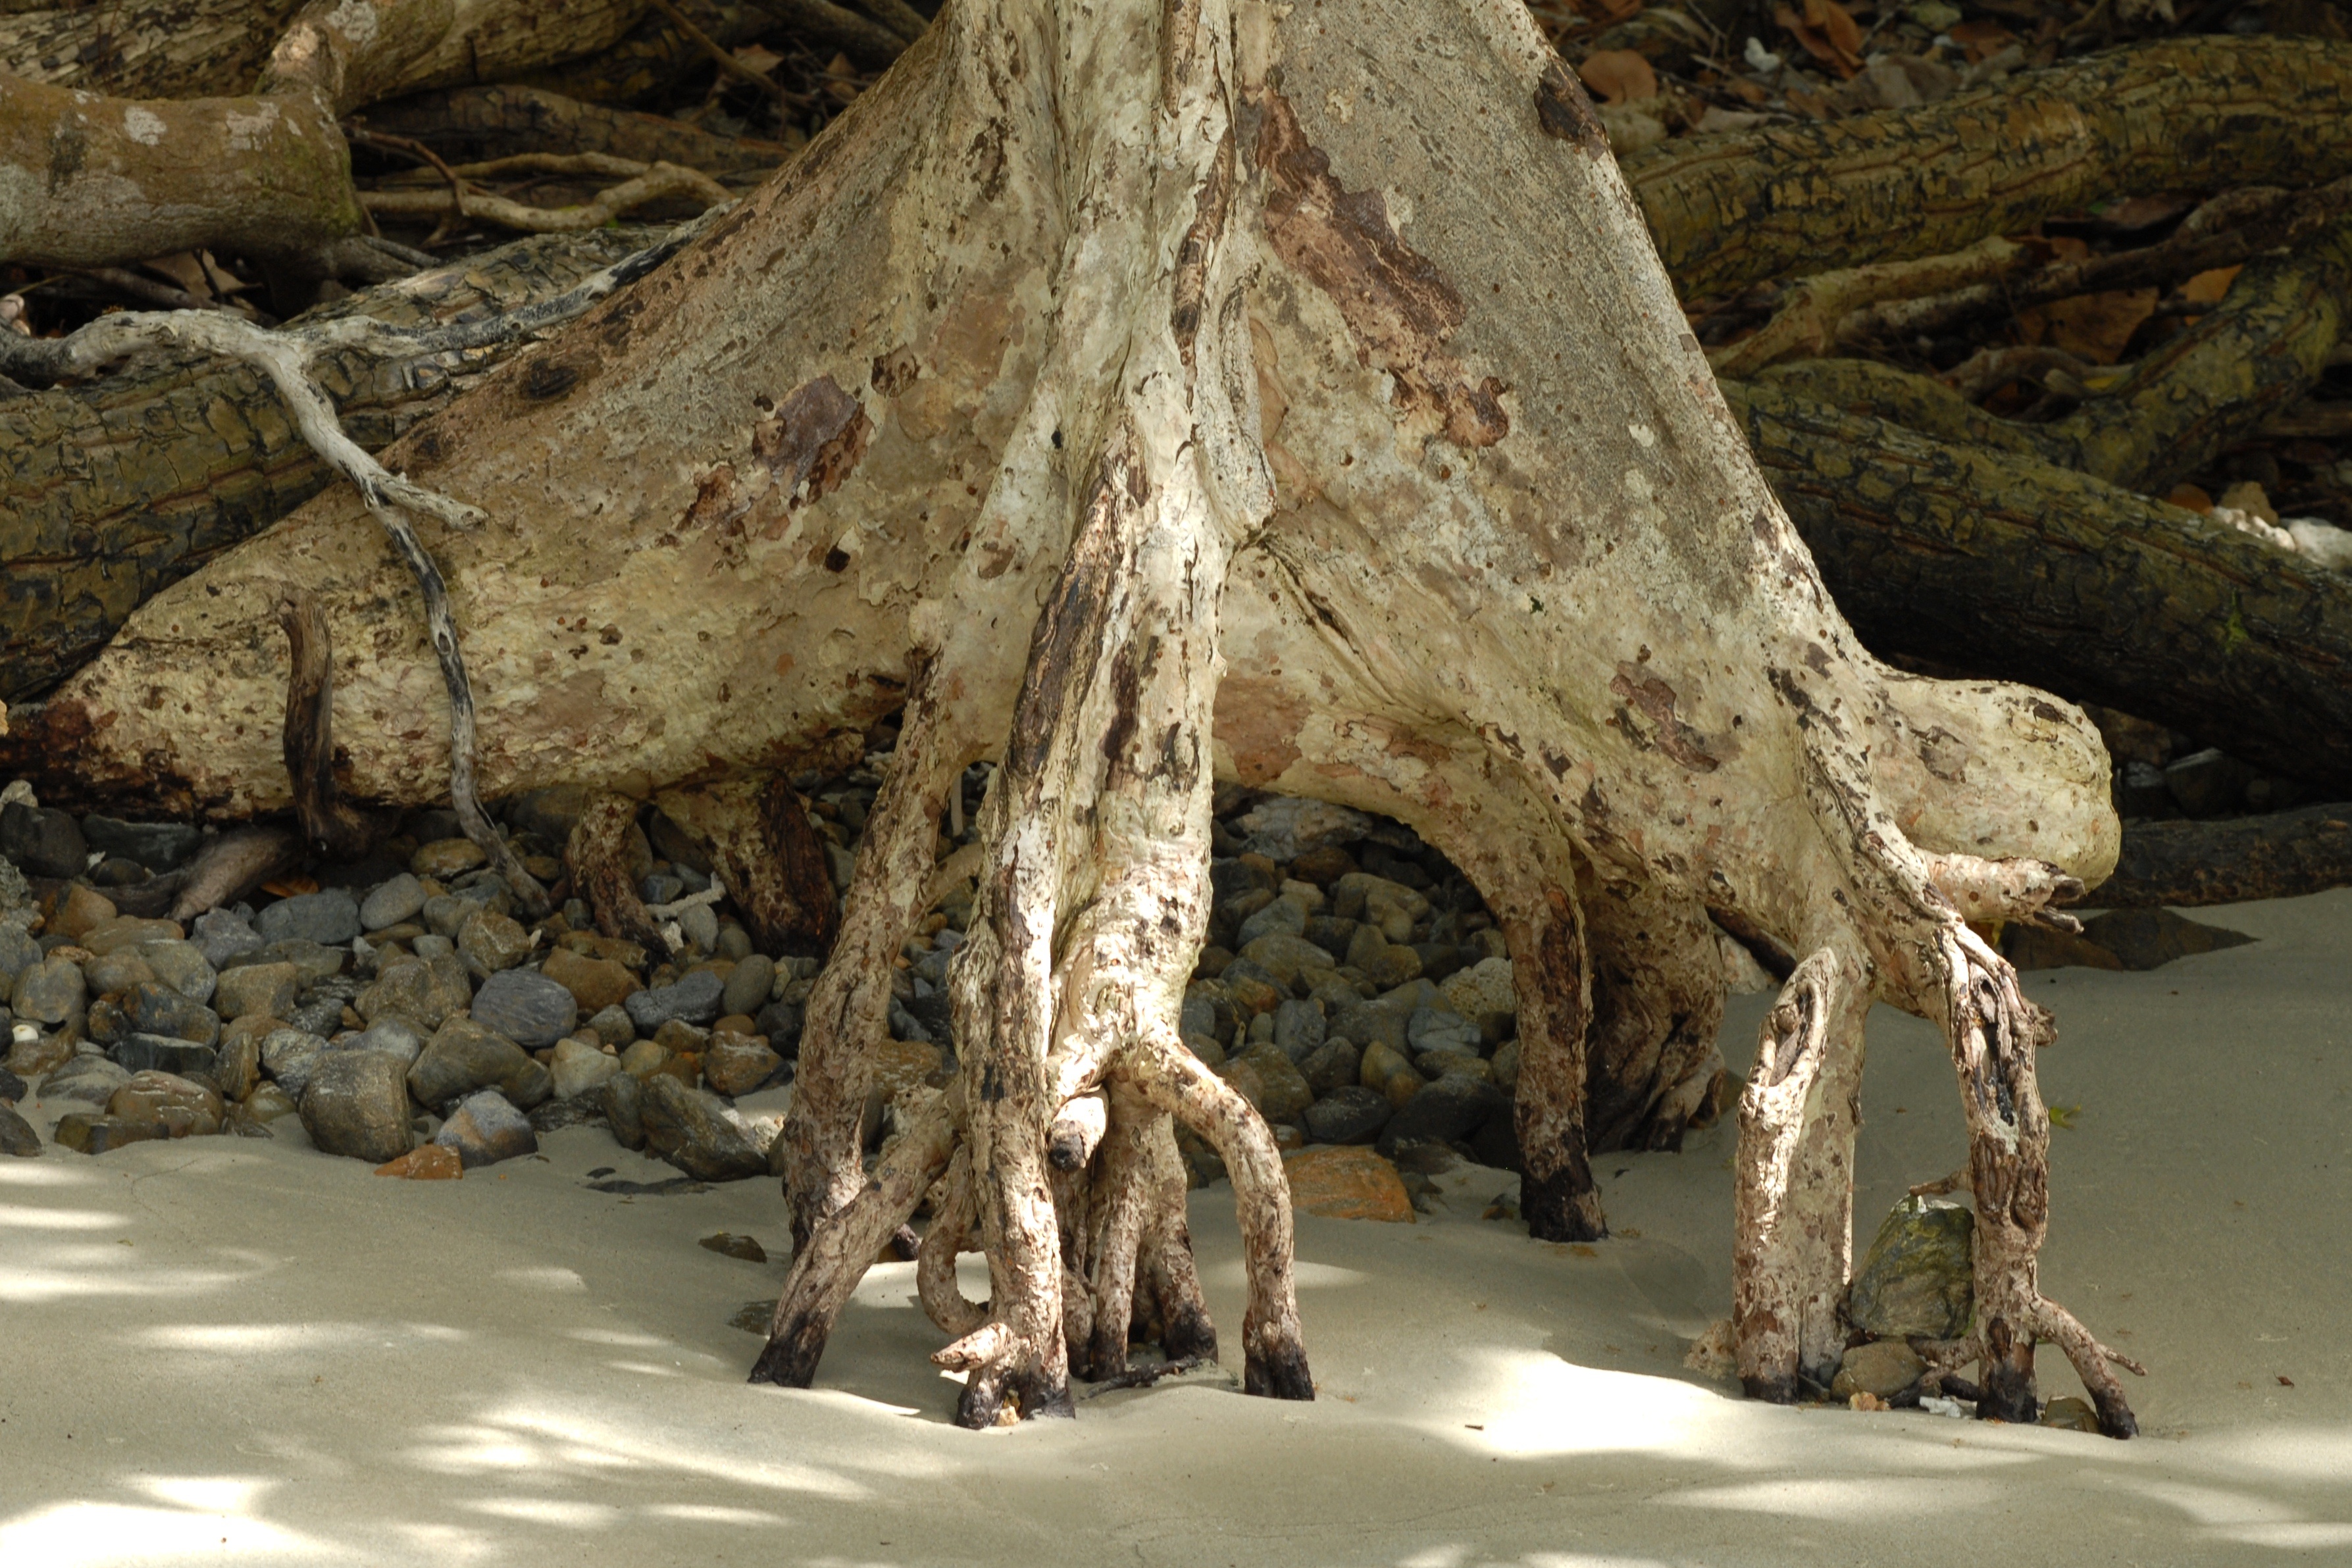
<point>757,835</point>
<point>598,854</point>
<point>330,824</point>
<point>468,125</point>
<point>641,184</point>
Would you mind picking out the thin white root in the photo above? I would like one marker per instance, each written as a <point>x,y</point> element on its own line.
<point>987,1343</point>
<point>642,183</point>
<point>1985,890</point>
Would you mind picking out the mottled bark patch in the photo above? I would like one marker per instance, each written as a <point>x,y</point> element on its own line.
<point>814,438</point>
<point>1565,113</point>
<point>1400,306</point>
<point>1654,700</point>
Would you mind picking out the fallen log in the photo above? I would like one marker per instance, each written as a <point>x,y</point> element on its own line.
<point>2285,854</point>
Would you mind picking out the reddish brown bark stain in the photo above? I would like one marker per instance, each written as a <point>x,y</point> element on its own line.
<point>1566,114</point>
<point>1398,304</point>
<point>1654,700</point>
<point>1259,720</point>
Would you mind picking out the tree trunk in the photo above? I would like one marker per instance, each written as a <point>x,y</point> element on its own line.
<point>1323,347</point>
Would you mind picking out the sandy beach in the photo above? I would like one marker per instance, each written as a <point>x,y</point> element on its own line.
<point>237,1349</point>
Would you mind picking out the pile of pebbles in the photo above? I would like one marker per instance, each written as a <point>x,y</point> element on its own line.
<point>1355,990</point>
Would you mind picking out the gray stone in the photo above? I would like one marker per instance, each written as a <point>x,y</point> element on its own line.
<point>321,1015</point>
<point>109,974</point>
<point>221,934</point>
<point>1375,1022</point>
<point>694,1131</point>
<point>444,912</point>
<point>613,1026</point>
<point>290,1056</point>
<point>1282,957</point>
<point>399,900</point>
<point>693,999</point>
<point>1445,1112</point>
<point>548,814</point>
<point>12,1088</point>
<point>269,989</point>
<point>735,943</point>
<point>91,1079</point>
<point>19,953</point>
<point>1483,994</point>
<point>312,961</point>
<point>50,992</point>
<point>43,843</point>
<point>660,887</point>
<point>1438,1064</point>
<point>1349,1114</point>
<point>356,1103</point>
<point>17,1134</point>
<point>490,943</point>
<point>327,918</point>
<point>1438,959</point>
<point>392,1037</point>
<point>236,1067</point>
<point>1281,917</point>
<point>1332,1065</point>
<point>1299,1028</point>
<point>527,1007</point>
<point>1353,894</point>
<point>580,1068</point>
<point>158,846</point>
<point>1917,1277</point>
<point>1271,1082</point>
<point>1505,1063</point>
<point>1284,827</point>
<point>699,926</point>
<point>433,946</point>
<point>781,1023</point>
<point>749,986</point>
<point>163,1053</point>
<point>1883,1368</point>
<point>1436,1029</point>
<point>554,1116</point>
<point>485,1129</point>
<point>183,966</point>
<point>1383,963</point>
<point>424,992</point>
<point>153,1007</point>
<point>623,1099</point>
<point>463,1056</point>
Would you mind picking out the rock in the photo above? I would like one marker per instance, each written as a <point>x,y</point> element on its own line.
<point>1284,827</point>
<point>446,859</point>
<point>1484,993</point>
<point>79,911</point>
<point>97,1135</point>
<point>1881,1368</point>
<point>693,1132</point>
<point>1209,1011</point>
<point>678,1036</point>
<point>269,989</point>
<point>154,1009</point>
<point>693,999</point>
<point>1438,1029</point>
<point>624,1100</point>
<point>158,846</point>
<point>490,943</point>
<point>161,1053</point>
<point>329,917</point>
<point>1917,1278</point>
<point>2071,1413</point>
<point>579,1068</point>
<point>444,912</point>
<point>291,1057</point>
<point>554,1116</point>
<point>183,966</point>
<point>116,972</point>
<point>313,962</point>
<point>50,992</point>
<point>32,1053</point>
<point>90,1079</point>
<point>19,953</point>
<point>392,1037</point>
<point>1438,1064</point>
<point>548,814</point>
<point>1282,1094</point>
<point>237,1066</point>
<point>1354,894</point>
<point>43,843</point>
<point>1350,1114</point>
<point>1334,1064</point>
<point>1279,917</point>
<point>221,934</point>
<point>356,1104</point>
<point>529,1008</point>
<point>1445,1112</point>
<point>424,992</point>
<point>396,901</point>
<point>1373,1023</point>
<point>16,1135</point>
<point>1282,957</point>
<point>187,1110</point>
<point>1347,1183</point>
<point>12,1088</point>
<point>699,924</point>
<point>746,1248</point>
<point>780,1024</point>
<point>612,1025</point>
<point>595,983</point>
<point>1380,1063</point>
<point>749,985</point>
<point>428,1162</point>
<point>1383,963</point>
<point>737,1064</point>
<point>463,1056</point>
<point>485,1129</point>
<point>1322,866</point>
<point>1505,1063</point>
<point>267,1102</point>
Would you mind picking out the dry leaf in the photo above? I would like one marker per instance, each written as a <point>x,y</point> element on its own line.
<point>1983,39</point>
<point>1618,75</point>
<point>2207,287</point>
<point>290,887</point>
<point>1817,39</point>
<point>2096,326</point>
<point>2191,498</point>
<point>1834,22</point>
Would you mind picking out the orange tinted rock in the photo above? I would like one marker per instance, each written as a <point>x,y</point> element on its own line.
<point>594,983</point>
<point>1347,1183</point>
<point>429,1162</point>
<point>901,1065</point>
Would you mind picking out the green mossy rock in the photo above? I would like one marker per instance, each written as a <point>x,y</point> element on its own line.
<point>1917,1279</point>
